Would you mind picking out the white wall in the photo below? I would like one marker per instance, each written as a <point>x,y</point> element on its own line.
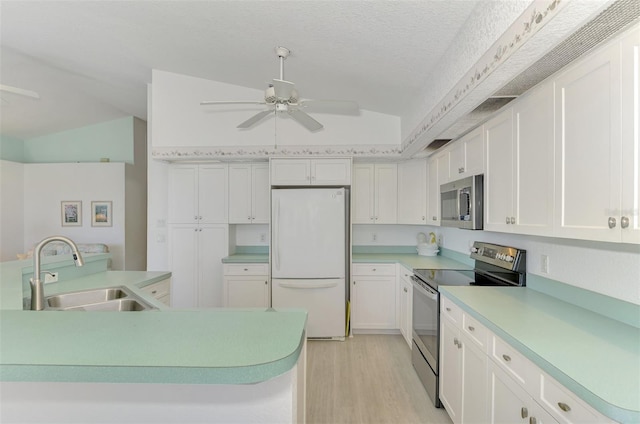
<point>46,185</point>
<point>180,120</point>
<point>11,217</point>
<point>387,235</point>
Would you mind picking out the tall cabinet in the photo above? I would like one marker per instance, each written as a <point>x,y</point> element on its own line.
<point>197,233</point>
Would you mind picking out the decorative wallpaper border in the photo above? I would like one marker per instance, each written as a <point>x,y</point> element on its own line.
<point>530,22</point>
<point>261,152</point>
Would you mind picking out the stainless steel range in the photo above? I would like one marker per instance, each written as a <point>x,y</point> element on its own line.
<point>494,266</point>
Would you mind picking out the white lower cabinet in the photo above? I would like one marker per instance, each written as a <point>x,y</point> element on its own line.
<point>246,286</point>
<point>483,379</point>
<point>373,297</point>
<point>195,259</point>
<point>405,301</point>
<point>160,290</point>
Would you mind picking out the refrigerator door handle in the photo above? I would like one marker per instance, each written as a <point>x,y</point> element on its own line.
<point>314,285</point>
<point>276,230</point>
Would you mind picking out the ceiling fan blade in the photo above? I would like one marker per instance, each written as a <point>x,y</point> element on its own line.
<point>214,102</point>
<point>305,120</point>
<point>342,107</point>
<point>20,91</point>
<point>283,89</point>
<point>254,119</point>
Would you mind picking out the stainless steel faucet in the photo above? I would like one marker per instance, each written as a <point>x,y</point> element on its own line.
<point>37,288</point>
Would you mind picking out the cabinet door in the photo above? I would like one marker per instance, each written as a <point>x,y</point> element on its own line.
<point>587,107</point>
<point>443,168</point>
<point>450,369</point>
<point>213,245</point>
<point>331,172</point>
<point>183,197</point>
<point>240,181</point>
<point>405,303</point>
<point>412,192</point>
<point>373,303</point>
<point>466,156</point>
<point>260,194</point>
<point>433,203</point>
<point>183,263</point>
<point>498,186</point>
<point>290,172</point>
<point>630,46</point>
<point>247,292</point>
<point>474,364</point>
<point>386,194</point>
<point>212,194</point>
<point>362,194</point>
<point>534,150</point>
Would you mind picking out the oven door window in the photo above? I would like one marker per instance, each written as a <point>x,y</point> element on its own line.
<point>425,322</point>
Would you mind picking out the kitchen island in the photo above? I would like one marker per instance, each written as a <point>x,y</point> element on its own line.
<point>163,365</point>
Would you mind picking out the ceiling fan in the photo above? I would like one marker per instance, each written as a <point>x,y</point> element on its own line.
<point>19,91</point>
<point>282,97</point>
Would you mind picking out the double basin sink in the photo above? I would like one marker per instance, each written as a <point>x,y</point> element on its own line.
<point>117,299</point>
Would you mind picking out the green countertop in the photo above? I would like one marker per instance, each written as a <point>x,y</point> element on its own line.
<point>595,357</point>
<point>189,346</point>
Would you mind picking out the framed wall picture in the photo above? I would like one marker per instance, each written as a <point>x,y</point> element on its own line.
<point>101,214</point>
<point>71,211</point>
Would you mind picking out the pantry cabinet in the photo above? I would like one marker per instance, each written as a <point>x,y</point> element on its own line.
<point>246,286</point>
<point>195,253</point>
<point>374,195</point>
<point>198,194</point>
<point>412,192</point>
<point>249,193</point>
<point>373,297</point>
<point>292,172</point>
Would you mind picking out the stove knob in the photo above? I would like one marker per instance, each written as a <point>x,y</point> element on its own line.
<point>474,250</point>
<point>509,258</point>
<point>500,256</point>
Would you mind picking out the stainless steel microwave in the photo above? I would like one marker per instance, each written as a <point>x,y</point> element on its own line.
<point>461,203</point>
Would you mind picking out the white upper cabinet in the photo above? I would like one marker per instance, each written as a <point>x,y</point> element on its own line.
<point>498,179</point>
<point>310,172</point>
<point>466,155</point>
<point>433,193</point>
<point>630,210</point>
<point>519,179</point>
<point>375,194</point>
<point>412,192</point>
<point>198,194</point>
<point>588,148</point>
<point>249,193</point>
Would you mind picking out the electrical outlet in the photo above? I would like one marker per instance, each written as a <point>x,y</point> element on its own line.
<point>50,277</point>
<point>374,237</point>
<point>440,240</point>
<point>544,264</point>
<point>263,238</point>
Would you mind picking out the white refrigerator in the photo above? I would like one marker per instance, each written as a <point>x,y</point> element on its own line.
<point>309,256</point>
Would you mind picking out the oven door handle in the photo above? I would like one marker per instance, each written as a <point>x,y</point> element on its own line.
<point>427,291</point>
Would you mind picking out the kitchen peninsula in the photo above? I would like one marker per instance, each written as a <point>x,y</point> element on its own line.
<point>166,365</point>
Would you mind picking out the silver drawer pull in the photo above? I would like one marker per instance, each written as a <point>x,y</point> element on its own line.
<point>154,292</point>
<point>471,328</point>
<point>246,269</point>
<point>564,406</point>
<point>448,309</point>
<point>507,358</point>
<point>524,412</point>
<point>455,341</point>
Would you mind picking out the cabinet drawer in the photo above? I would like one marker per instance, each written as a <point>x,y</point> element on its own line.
<point>374,269</point>
<point>451,311</point>
<point>564,405</point>
<point>159,289</point>
<point>477,332</point>
<point>246,269</point>
<point>509,359</point>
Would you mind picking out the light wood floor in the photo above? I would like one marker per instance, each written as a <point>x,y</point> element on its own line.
<point>366,379</point>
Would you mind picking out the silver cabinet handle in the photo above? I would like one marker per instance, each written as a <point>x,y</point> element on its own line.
<point>199,217</point>
<point>508,220</point>
<point>266,282</point>
<point>374,269</point>
<point>471,328</point>
<point>533,420</point>
<point>524,412</point>
<point>611,222</point>
<point>246,269</point>
<point>424,217</point>
<point>513,219</point>
<point>507,358</point>
<point>434,218</point>
<point>195,217</point>
<point>624,222</point>
<point>448,309</point>
<point>564,406</point>
<point>154,291</point>
<point>249,218</point>
<point>405,290</point>
<point>455,341</point>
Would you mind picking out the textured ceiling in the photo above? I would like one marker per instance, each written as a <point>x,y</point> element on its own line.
<point>91,61</point>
